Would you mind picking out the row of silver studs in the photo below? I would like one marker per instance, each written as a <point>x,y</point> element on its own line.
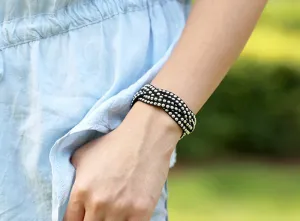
<point>170,103</point>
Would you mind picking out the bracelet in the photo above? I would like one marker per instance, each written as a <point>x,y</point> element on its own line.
<point>170,103</point>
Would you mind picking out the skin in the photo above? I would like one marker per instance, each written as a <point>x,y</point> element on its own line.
<point>133,160</point>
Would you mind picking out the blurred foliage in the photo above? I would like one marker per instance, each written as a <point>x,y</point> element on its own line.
<point>256,109</point>
<point>277,35</point>
<point>282,14</point>
<point>236,192</point>
<point>273,45</point>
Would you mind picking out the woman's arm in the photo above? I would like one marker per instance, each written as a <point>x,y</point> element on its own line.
<point>133,161</point>
<point>214,36</point>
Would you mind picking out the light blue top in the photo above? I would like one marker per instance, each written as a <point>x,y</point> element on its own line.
<point>68,71</point>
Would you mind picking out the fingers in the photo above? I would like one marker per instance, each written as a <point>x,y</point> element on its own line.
<point>111,211</point>
<point>140,212</point>
<point>91,216</point>
<point>114,218</point>
<point>75,211</point>
<point>148,218</point>
<point>95,211</point>
<point>86,207</point>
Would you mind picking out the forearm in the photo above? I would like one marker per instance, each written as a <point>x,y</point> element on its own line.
<point>133,161</point>
<point>214,36</point>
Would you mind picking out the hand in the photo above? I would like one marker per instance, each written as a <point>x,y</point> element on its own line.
<point>119,177</point>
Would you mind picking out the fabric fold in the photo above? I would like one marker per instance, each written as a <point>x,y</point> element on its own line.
<point>86,130</point>
<point>71,68</point>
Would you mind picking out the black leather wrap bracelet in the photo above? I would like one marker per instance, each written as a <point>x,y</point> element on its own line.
<point>173,105</point>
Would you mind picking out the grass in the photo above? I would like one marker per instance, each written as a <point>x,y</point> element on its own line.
<point>243,192</point>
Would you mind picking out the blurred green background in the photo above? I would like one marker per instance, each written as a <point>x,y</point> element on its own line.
<point>243,161</point>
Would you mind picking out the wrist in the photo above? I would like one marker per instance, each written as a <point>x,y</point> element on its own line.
<point>145,115</point>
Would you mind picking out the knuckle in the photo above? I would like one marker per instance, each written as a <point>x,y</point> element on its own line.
<point>80,191</point>
<point>119,207</point>
<point>75,206</point>
<point>141,207</point>
<point>97,203</point>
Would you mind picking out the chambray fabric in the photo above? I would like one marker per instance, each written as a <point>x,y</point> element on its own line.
<point>68,71</point>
